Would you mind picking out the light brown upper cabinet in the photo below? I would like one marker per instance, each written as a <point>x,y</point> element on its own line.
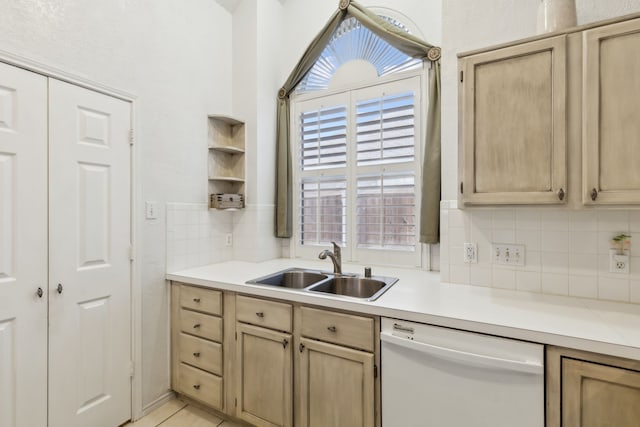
<point>611,114</point>
<point>513,141</point>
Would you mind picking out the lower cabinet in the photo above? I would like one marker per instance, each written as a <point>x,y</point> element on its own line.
<point>291,365</point>
<point>336,386</point>
<point>591,390</point>
<point>264,363</point>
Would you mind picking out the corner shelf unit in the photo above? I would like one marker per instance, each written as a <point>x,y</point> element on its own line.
<point>226,156</point>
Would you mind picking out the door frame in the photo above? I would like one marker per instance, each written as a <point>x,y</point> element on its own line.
<point>135,273</point>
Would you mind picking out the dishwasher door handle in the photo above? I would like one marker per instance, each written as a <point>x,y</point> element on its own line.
<point>465,357</point>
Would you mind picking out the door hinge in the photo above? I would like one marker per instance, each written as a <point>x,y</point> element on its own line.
<point>461,76</point>
<point>132,252</point>
<point>235,403</point>
<point>461,188</point>
<point>375,371</point>
<point>236,336</point>
<point>130,136</point>
<point>132,369</point>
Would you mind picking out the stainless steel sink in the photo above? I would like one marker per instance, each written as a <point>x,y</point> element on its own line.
<point>347,285</point>
<point>355,287</point>
<point>291,278</point>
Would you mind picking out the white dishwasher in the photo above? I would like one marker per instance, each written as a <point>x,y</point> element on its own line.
<point>440,377</point>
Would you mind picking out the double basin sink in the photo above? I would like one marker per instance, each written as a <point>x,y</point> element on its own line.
<point>343,285</point>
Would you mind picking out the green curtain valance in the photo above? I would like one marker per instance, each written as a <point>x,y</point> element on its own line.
<point>410,45</point>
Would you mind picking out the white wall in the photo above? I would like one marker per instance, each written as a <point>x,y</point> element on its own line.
<point>175,57</point>
<point>566,251</point>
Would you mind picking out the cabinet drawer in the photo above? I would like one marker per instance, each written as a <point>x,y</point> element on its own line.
<point>201,325</point>
<point>205,300</point>
<point>201,353</point>
<point>338,328</point>
<point>269,314</point>
<point>200,385</point>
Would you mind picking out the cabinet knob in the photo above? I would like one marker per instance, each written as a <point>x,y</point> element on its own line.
<point>196,326</point>
<point>301,347</point>
<point>39,292</point>
<point>196,354</point>
<point>260,314</point>
<point>561,194</point>
<point>594,194</point>
<point>332,329</point>
<point>196,386</point>
<point>284,343</point>
<point>59,288</point>
<point>196,300</point>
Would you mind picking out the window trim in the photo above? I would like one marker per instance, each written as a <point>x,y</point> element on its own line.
<point>418,258</point>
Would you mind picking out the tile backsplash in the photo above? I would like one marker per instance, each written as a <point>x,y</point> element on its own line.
<point>196,235</point>
<point>566,251</point>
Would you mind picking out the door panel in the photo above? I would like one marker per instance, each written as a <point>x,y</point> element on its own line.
<point>89,232</point>
<point>23,248</point>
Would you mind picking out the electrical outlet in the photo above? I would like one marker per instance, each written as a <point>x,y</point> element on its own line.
<point>471,253</point>
<point>508,254</point>
<point>618,263</point>
<point>228,239</point>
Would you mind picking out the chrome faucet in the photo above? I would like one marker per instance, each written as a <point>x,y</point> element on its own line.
<point>335,257</point>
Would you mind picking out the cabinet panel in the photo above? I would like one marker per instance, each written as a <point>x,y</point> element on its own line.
<point>270,314</point>
<point>596,395</point>
<point>264,377</point>
<point>200,385</point>
<point>200,299</point>
<point>201,353</point>
<point>513,139</point>
<point>201,325</point>
<point>336,386</point>
<point>611,111</point>
<point>338,328</point>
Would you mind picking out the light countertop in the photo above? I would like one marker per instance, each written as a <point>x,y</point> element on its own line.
<point>591,325</point>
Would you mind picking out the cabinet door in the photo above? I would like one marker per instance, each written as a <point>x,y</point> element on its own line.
<point>596,395</point>
<point>263,378</point>
<point>513,137</point>
<point>611,114</point>
<point>89,258</point>
<point>336,386</point>
<point>23,248</point>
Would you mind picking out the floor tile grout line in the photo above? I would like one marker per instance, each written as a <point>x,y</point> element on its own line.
<point>184,405</point>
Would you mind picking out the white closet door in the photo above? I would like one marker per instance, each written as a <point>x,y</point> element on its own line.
<point>23,248</point>
<point>89,277</point>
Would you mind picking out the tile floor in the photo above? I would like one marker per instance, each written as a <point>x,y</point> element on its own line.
<point>178,414</point>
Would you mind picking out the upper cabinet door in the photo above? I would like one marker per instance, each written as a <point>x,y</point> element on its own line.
<point>513,115</point>
<point>611,114</point>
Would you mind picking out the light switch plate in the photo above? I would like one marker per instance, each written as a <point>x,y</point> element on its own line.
<point>151,210</point>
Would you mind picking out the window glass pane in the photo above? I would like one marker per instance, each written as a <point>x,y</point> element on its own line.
<point>323,210</point>
<point>352,41</point>
<point>386,211</point>
<point>385,130</point>
<point>323,138</point>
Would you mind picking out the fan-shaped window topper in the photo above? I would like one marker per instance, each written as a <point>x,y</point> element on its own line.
<point>351,41</point>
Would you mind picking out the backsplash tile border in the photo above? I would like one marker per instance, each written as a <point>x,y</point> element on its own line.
<point>566,250</point>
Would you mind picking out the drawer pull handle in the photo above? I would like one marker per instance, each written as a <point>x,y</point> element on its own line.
<point>196,354</point>
<point>332,329</point>
<point>196,326</point>
<point>260,314</point>
<point>196,300</point>
<point>196,386</point>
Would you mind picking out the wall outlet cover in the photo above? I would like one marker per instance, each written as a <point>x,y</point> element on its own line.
<point>618,263</point>
<point>471,253</point>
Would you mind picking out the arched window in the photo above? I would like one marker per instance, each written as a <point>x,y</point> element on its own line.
<point>352,41</point>
<point>357,149</point>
